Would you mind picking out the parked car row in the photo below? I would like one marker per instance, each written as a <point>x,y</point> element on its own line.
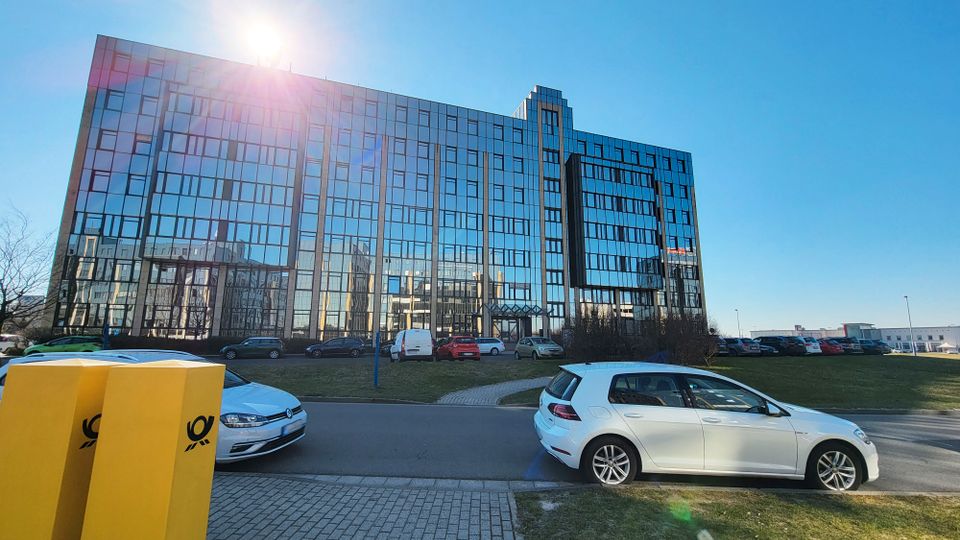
<point>798,346</point>
<point>412,344</point>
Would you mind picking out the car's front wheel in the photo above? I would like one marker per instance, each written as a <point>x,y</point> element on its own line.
<point>230,355</point>
<point>494,351</point>
<point>834,467</point>
<point>609,460</point>
<point>354,353</point>
<point>516,355</point>
<point>274,354</point>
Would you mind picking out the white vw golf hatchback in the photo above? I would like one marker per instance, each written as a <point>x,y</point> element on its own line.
<point>612,420</point>
<point>255,419</point>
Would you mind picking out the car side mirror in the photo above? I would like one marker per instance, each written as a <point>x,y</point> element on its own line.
<point>774,410</point>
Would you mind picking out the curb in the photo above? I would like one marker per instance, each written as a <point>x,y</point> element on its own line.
<point>401,482</point>
<point>524,486</point>
<point>387,401</point>
<point>917,412</point>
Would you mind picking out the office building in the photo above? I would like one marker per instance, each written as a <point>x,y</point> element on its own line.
<point>209,198</point>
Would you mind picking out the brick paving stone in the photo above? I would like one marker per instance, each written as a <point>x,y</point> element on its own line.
<point>491,394</point>
<point>263,506</point>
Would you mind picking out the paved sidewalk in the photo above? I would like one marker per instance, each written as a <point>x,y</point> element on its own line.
<point>259,506</point>
<point>492,393</point>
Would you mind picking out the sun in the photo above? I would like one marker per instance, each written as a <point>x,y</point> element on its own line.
<point>265,41</point>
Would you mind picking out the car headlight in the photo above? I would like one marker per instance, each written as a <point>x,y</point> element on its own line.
<point>241,420</point>
<point>862,436</point>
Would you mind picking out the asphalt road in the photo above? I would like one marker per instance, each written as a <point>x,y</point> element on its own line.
<point>917,453</point>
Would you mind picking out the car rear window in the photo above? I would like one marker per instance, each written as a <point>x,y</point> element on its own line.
<point>467,340</point>
<point>563,385</point>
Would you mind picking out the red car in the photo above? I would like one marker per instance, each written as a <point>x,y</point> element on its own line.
<point>829,346</point>
<point>459,347</point>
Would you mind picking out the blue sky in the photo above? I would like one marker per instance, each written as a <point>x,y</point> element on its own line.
<point>824,136</point>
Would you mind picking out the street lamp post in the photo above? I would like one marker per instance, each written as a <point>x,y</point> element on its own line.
<point>913,344</point>
<point>739,332</point>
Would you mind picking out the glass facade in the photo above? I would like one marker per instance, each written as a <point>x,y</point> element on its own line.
<point>214,198</point>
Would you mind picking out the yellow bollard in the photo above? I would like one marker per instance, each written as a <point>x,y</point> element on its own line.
<point>153,470</point>
<point>49,419</point>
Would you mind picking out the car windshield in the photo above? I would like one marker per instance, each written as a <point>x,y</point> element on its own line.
<point>563,385</point>
<point>465,340</point>
<point>541,341</point>
<point>232,380</point>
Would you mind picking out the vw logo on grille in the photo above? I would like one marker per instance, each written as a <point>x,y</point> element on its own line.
<point>289,413</point>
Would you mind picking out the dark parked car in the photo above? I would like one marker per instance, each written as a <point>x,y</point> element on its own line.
<point>787,345</point>
<point>850,345</point>
<point>341,346</point>
<point>722,349</point>
<point>254,346</point>
<point>742,347</point>
<point>872,346</point>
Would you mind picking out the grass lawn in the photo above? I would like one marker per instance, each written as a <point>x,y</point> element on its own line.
<point>414,381</point>
<point>642,512</point>
<point>844,382</point>
<point>886,382</point>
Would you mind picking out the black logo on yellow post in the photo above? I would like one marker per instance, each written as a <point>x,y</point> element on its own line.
<point>89,431</point>
<point>199,436</point>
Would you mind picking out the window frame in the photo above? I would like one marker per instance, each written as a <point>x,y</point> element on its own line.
<point>766,401</point>
<point>678,381</point>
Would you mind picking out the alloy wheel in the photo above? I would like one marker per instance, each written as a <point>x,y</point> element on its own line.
<point>611,464</point>
<point>836,471</point>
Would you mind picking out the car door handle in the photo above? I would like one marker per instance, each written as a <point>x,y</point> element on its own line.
<point>711,420</point>
<point>633,415</point>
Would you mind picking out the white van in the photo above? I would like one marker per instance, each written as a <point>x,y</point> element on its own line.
<point>414,344</point>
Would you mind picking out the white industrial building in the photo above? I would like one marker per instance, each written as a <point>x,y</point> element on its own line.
<point>927,338</point>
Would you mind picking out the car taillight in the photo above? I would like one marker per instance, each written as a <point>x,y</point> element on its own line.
<point>563,411</point>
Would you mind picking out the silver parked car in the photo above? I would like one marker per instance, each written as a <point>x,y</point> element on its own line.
<point>537,348</point>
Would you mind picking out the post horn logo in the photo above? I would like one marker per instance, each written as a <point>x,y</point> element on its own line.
<point>89,431</point>
<point>199,437</point>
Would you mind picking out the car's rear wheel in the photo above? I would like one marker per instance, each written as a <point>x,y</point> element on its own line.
<point>494,351</point>
<point>610,461</point>
<point>315,353</point>
<point>274,354</point>
<point>835,467</point>
<point>230,355</point>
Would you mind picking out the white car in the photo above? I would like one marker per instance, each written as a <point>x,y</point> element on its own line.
<point>255,419</point>
<point>812,345</point>
<point>490,345</point>
<point>414,344</point>
<point>613,420</point>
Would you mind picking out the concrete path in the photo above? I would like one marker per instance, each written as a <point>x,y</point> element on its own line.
<point>258,506</point>
<point>492,393</point>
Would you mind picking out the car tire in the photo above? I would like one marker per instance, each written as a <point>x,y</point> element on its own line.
<point>354,353</point>
<point>516,355</point>
<point>535,357</point>
<point>230,355</point>
<point>274,354</point>
<point>609,460</point>
<point>316,353</point>
<point>835,466</point>
<point>494,352</point>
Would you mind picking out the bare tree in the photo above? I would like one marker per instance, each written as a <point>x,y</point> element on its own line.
<point>24,271</point>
